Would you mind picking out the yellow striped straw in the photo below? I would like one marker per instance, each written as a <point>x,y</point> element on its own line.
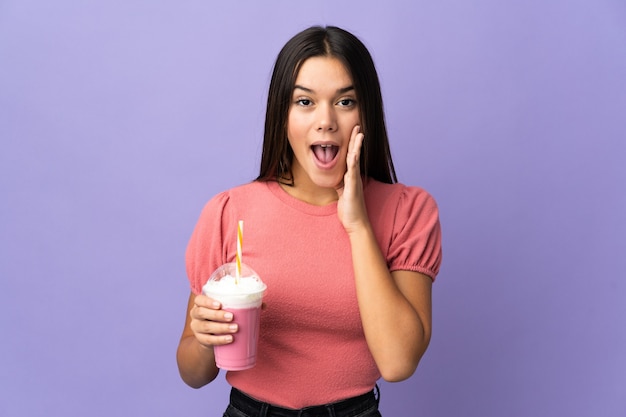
<point>239,245</point>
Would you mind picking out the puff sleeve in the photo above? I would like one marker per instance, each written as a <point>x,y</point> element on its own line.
<point>206,250</point>
<point>416,234</point>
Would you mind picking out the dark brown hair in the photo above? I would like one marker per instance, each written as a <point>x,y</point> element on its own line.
<point>333,42</point>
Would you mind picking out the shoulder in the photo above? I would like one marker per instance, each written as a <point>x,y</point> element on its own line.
<point>247,188</point>
<point>397,196</point>
<point>243,201</point>
<point>247,191</point>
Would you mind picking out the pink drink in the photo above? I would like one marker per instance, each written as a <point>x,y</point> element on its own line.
<point>241,353</point>
<point>243,297</point>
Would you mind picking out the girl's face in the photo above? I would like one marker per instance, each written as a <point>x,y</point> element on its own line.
<point>322,114</point>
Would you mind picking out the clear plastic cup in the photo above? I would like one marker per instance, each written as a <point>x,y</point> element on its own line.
<point>243,298</point>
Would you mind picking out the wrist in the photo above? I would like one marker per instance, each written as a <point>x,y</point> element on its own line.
<point>360,230</point>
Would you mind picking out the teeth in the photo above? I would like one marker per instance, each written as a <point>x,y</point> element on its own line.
<point>326,146</point>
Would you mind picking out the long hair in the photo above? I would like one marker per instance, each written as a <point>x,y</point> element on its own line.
<point>337,43</point>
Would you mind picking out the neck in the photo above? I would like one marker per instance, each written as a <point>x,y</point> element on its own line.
<point>311,194</point>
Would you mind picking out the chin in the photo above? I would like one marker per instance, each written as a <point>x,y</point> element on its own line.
<point>328,182</point>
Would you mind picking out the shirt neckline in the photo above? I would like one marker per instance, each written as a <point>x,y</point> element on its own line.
<point>300,205</point>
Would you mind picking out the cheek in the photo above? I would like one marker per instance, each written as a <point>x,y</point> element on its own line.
<point>352,120</point>
<point>295,127</point>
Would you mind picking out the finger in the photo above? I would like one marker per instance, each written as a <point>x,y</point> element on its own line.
<point>207,302</point>
<point>209,314</point>
<point>212,340</point>
<point>208,311</point>
<point>354,152</point>
<point>203,328</point>
<point>353,135</point>
<point>358,145</point>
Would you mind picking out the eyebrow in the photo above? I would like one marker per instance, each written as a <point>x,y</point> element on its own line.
<point>339,91</point>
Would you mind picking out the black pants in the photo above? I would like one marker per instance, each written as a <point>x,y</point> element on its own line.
<point>365,405</point>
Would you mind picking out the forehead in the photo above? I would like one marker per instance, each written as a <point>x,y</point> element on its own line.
<point>326,72</point>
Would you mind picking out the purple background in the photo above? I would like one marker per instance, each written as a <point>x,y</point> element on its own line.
<point>119,119</point>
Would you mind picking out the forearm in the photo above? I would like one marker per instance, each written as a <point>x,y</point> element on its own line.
<point>196,363</point>
<point>396,334</point>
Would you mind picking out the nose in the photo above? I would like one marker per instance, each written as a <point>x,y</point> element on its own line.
<point>326,118</point>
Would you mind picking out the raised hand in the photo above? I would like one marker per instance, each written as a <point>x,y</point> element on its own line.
<point>351,204</point>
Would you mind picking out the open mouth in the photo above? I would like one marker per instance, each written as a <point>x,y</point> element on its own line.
<point>325,153</point>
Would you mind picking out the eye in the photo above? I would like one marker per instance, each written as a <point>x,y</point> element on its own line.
<point>346,102</point>
<point>305,102</point>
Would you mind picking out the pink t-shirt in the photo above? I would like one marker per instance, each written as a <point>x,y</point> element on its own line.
<point>311,347</point>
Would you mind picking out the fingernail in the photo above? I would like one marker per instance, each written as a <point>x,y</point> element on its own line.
<point>233,327</point>
<point>228,339</point>
<point>228,316</point>
<point>216,304</point>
